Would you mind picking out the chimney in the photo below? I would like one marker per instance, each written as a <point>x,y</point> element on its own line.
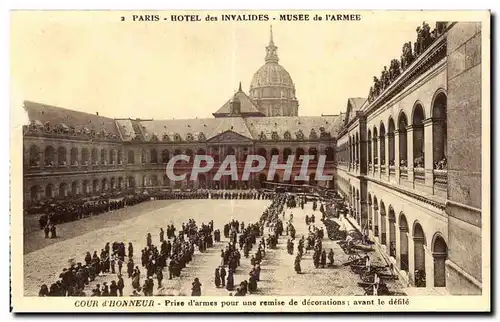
<point>97,113</point>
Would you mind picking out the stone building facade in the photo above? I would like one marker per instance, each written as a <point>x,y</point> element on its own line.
<point>400,156</point>
<point>70,154</point>
<point>410,174</point>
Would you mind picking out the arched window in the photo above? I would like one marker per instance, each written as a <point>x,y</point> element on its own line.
<point>165,156</point>
<point>286,153</point>
<point>94,156</point>
<point>131,157</point>
<point>49,191</point>
<point>262,152</point>
<point>34,156</point>
<point>63,190</point>
<point>35,193</point>
<point>439,132</point>
<point>143,156</point>
<point>61,156</point>
<point>403,152</point>
<point>392,146</point>
<point>85,156</point>
<point>119,157</point>
<point>112,156</point>
<point>418,137</point>
<point>85,187</point>
<point>74,156</point>
<point>275,151</point>
<point>154,156</point>
<point>382,144</point>
<point>50,156</point>
<point>313,152</point>
<point>74,188</point>
<point>103,157</point>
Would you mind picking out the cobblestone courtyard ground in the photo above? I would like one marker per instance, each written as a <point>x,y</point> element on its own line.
<point>45,259</point>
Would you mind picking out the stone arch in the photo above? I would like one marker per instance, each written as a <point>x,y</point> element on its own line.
<point>131,182</point>
<point>74,188</point>
<point>314,152</point>
<point>392,232</point>
<point>104,155</point>
<point>153,156</point>
<point>49,191</point>
<point>262,152</point>
<point>104,185</point>
<point>94,155</point>
<point>34,156</point>
<point>85,156</point>
<point>35,193</point>
<point>403,137</point>
<point>95,186</point>
<point>299,152</point>
<point>286,153</point>
<point>392,143</point>
<point>382,134</point>
<point>165,156</point>
<point>275,151</point>
<point>50,156</point>
<point>61,156</point>
<point>439,128</point>
<point>419,242</point>
<point>403,242</point>
<point>112,156</point>
<point>130,157</point>
<point>73,156</point>
<point>418,117</point>
<point>63,189</point>
<point>439,254</point>
<point>85,187</point>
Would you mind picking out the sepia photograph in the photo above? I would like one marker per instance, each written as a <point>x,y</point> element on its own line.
<point>306,161</point>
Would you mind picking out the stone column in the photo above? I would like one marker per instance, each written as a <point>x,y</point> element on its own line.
<point>409,151</point>
<point>411,260</point>
<point>388,234</point>
<point>397,158</point>
<point>429,267</point>
<point>382,152</point>
<point>364,216</point>
<point>429,152</point>
<point>387,148</point>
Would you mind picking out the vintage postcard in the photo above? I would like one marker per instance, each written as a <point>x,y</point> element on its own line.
<point>278,161</point>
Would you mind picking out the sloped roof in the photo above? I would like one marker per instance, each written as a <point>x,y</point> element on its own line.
<point>292,124</point>
<point>183,127</point>
<point>354,105</point>
<point>65,117</point>
<point>246,105</point>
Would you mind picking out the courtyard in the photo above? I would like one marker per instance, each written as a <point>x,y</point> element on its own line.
<point>44,259</point>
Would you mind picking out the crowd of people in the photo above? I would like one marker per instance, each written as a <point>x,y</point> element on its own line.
<point>178,246</point>
<point>215,194</point>
<point>59,213</point>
